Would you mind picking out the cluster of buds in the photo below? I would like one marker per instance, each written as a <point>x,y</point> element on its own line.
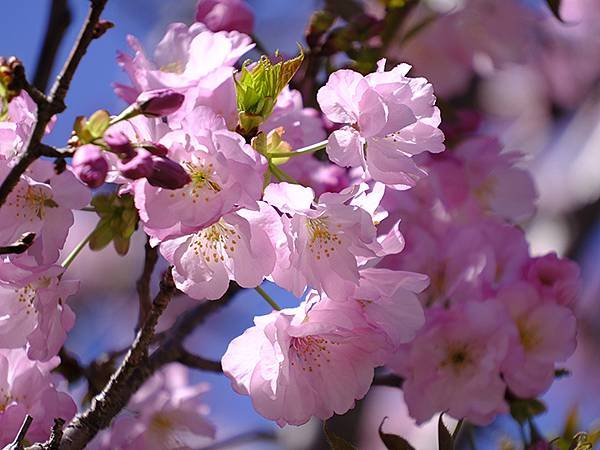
<point>134,160</point>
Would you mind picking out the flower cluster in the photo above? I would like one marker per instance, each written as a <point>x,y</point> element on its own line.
<point>403,253</point>
<point>492,310</point>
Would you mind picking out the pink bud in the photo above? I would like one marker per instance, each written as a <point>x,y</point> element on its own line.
<point>159,102</point>
<point>226,15</point>
<point>119,143</point>
<point>168,174</point>
<point>90,165</point>
<point>140,165</point>
<point>156,149</point>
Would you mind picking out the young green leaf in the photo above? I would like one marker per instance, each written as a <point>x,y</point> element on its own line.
<point>258,86</point>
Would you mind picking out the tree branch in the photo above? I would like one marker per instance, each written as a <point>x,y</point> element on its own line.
<point>59,20</point>
<point>143,283</point>
<point>17,444</point>
<point>198,362</point>
<point>20,246</point>
<point>388,379</point>
<point>137,366</point>
<point>55,103</point>
<point>121,385</point>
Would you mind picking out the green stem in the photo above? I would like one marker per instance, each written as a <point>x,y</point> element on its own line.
<point>268,298</point>
<point>280,174</point>
<point>128,113</point>
<point>303,151</point>
<point>69,259</point>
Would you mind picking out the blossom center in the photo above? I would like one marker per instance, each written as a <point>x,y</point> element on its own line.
<point>458,358</point>
<point>31,202</point>
<point>177,67</point>
<point>528,336</point>
<point>203,185</point>
<point>322,241</point>
<point>214,242</point>
<point>311,351</point>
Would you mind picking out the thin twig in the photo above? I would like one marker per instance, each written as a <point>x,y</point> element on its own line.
<point>59,20</point>
<point>388,379</point>
<point>57,433</point>
<point>20,246</point>
<point>17,444</point>
<point>143,283</point>
<point>55,103</point>
<point>198,362</point>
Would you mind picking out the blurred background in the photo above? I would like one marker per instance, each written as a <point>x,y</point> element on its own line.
<point>528,77</point>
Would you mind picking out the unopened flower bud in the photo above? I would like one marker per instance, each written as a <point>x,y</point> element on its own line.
<point>159,102</point>
<point>226,15</point>
<point>156,149</point>
<point>119,143</point>
<point>90,165</point>
<point>140,165</point>
<point>167,174</point>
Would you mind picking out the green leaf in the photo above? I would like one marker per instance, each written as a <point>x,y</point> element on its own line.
<point>393,441</point>
<point>118,221</point>
<point>524,409</point>
<point>335,442</point>
<point>257,88</point>
<point>101,236</point>
<point>98,123</point>
<point>81,131</point>
<point>445,440</point>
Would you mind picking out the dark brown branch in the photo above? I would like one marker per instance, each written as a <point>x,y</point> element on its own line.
<point>143,283</point>
<point>198,362</point>
<point>244,438</point>
<point>59,20</point>
<point>55,103</point>
<point>57,433</point>
<point>388,379</point>
<point>122,384</point>
<point>20,246</point>
<point>137,366</point>
<point>17,444</point>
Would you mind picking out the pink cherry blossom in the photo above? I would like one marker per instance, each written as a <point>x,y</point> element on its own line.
<point>388,119</point>
<point>193,60</point>
<point>554,278</point>
<point>303,126</point>
<point>538,345</point>
<point>34,312</point>
<point>454,363</point>
<point>226,15</point>
<point>29,387</point>
<point>322,239</point>
<point>479,175</point>
<point>238,247</point>
<point>226,174</point>
<point>16,127</point>
<point>388,300</point>
<point>166,413</point>
<point>313,360</point>
<point>42,203</point>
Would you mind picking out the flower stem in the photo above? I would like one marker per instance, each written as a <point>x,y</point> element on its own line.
<point>280,174</point>
<point>268,298</point>
<point>69,259</point>
<point>303,151</point>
